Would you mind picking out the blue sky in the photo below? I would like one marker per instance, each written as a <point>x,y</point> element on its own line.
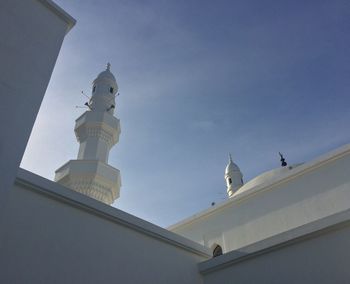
<point>199,79</point>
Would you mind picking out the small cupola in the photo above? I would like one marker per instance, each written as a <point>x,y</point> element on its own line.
<point>104,90</point>
<point>233,177</point>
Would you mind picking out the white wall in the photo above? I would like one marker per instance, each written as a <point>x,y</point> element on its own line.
<point>317,189</point>
<point>55,235</point>
<point>318,256</point>
<point>31,32</point>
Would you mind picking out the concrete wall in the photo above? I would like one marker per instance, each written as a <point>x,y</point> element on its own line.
<point>32,32</point>
<point>55,235</point>
<point>313,191</point>
<point>309,254</point>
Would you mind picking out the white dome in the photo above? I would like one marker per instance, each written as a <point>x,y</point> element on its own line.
<point>231,167</point>
<point>107,77</point>
<point>266,178</point>
<point>107,74</point>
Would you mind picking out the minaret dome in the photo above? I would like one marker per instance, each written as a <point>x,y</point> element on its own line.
<point>233,177</point>
<point>104,89</point>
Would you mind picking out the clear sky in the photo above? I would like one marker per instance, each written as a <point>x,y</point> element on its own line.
<point>197,80</point>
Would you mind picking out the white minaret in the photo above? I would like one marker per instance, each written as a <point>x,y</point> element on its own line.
<point>233,177</point>
<point>97,131</point>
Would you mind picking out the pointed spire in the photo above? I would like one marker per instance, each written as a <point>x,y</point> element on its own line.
<point>108,66</point>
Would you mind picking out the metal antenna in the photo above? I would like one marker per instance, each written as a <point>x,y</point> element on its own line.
<point>88,105</point>
<point>85,95</point>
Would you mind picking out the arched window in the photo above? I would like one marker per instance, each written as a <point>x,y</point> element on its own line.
<point>217,251</point>
<point>93,89</point>
<point>229,180</point>
<point>111,90</point>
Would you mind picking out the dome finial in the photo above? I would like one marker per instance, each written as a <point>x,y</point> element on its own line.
<point>230,157</point>
<point>108,66</point>
<point>283,160</point>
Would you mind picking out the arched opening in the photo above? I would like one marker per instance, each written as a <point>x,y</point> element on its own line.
<point>217,251</point>
<point>229,180</point>
<point>111,90</point>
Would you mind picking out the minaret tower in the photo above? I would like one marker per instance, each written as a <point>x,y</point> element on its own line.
<point>97,130</point>
<point>233,177</point>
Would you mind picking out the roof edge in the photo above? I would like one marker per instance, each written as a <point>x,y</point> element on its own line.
<point>60,193</point>
<point>307,231</point>
<point>58,11</point>
<point>260,188</point>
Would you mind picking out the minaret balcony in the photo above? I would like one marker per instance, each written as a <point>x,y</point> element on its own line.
<point>92,178</point>
<point>100,124</point>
